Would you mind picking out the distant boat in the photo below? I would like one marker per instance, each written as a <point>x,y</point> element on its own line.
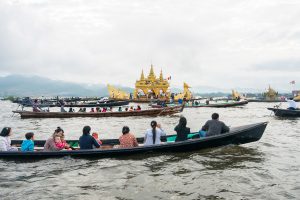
<point>215,104</point>
<point>285,112</point>
<point>236,136</point>
<point>148,112</point>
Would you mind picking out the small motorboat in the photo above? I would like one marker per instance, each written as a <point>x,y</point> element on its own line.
<point>285,112</point>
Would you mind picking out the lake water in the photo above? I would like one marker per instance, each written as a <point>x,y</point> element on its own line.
<point>267,169</point>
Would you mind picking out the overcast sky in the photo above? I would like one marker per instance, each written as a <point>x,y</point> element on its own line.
<point>218,43</point>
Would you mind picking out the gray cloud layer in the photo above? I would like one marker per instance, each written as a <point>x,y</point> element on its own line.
<point>217,43</point>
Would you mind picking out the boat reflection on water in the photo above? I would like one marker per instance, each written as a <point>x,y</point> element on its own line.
<point>229,157</point>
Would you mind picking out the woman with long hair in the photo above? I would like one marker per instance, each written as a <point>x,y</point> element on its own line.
<point>5,142</point>
<point>181,130</point>
<point>152,136</point>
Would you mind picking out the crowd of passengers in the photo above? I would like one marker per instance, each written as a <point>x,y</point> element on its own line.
<point>36,108</point>
<point>87,141</point>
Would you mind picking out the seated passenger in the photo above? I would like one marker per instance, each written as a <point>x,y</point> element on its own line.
<point>80,110</point>
<point>86,141</point>
<point>5,142</point>
<point>96,136</point>
<point>152,136</point>
<point>97,109</point>
<point>292,104</point>
<point>120,109</point>
<point>181,130</point>
<point>127,140</point>
<point>131,108</point>
<point>92,110</point>
<point>104,109</point>
<point>50,143</point>
<point>71,110</point>
<point>58,142</point>
<point>214,126</point>
<point>138,107</point>
<point>84,110</point>
<point>28,144</point>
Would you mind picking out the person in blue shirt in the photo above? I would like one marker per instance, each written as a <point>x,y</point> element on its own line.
<point>86,141</point>
<point>28,144</point>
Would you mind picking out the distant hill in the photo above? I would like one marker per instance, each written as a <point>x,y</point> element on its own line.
<point>17,85</point>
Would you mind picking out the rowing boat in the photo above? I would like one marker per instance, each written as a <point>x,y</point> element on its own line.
<point>237,135</point>
<point>285,112</point>
<point>148,112</point>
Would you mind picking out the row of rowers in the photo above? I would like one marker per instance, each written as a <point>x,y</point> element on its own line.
<point>97,109</point>
<point>127,140</point>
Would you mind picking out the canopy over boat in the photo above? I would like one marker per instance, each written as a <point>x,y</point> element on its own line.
<point>285,112</point>
<point>149,112</point>
<point>237,135</point>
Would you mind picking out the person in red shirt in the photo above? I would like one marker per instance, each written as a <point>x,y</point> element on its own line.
<point>127,140</point>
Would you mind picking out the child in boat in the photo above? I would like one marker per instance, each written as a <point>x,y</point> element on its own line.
<point>96,136</point>
<point>58,142</point>
<point>28,144</point>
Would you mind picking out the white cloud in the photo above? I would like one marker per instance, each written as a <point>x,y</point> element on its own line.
<point>217,43</point>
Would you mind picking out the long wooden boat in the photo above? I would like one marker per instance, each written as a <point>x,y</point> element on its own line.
<point>237,135</point>
<point>210,105</point>
<point>285,112</point>
<point>149,112</point>
<point>220,104</point>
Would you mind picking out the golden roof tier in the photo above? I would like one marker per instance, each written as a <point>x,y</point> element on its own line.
<point>151,87</point>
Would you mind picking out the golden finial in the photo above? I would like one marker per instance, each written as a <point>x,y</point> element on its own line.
<point>142,76</point>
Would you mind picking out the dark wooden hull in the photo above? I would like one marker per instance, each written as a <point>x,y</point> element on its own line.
<point>150,112</point>
<point>238,135</point>
<point>285,112</point>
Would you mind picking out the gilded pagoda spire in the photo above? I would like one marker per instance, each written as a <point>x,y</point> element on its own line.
<point>151,75</point>
<point>161,78</point>
<point>142,76</point>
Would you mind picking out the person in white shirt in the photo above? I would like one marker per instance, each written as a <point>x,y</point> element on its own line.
<point>5,142</point>
<point>152,136</point>
<point>292,104</point>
